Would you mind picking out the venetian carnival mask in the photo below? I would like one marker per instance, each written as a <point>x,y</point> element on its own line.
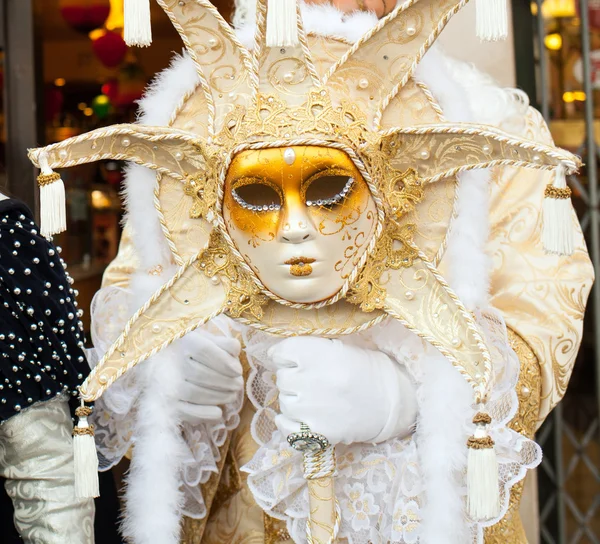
<point>303,189</point>
<point>301,217</point>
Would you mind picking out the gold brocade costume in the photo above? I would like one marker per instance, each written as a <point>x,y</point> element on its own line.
<point>538,327</point>
<point>233,165</point>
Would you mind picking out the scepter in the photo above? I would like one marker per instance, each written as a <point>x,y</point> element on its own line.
<point>324,516</point>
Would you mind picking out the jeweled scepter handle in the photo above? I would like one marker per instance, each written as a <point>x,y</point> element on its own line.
<point>324,517</point>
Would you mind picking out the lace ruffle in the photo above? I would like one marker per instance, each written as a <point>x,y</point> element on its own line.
<point>380,487</point>
<point>116,411</point>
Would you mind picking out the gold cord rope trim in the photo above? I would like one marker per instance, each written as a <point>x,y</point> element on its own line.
<point>83,431</point>
<point>442,119</point>
<point>484,443</point>
<point>557,193</point>
<point>83,411</point>
<point>47,179</point>
<point>482,417</point>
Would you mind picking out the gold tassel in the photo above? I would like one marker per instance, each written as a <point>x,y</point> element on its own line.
<point>491,20</point>
<point>85,456</point>
<point>557,233</point>
<point>53,207</point>
<point>138,23</point>
<point>483,491</point>
<point>282,23</point>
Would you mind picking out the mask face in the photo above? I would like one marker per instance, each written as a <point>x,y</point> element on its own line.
<point>301,216</point>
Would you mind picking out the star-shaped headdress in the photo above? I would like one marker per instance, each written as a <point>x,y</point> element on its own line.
<point>295,89</point>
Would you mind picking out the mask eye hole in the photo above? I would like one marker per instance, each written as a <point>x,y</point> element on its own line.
<point>327,190</point>
<point>257,196</point>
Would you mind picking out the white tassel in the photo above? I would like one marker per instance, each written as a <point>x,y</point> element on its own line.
<point>85,457</point>
<point>138,24</point>
<point>53,206</point>
<point>491,20</point>
<point>557,233</point>
<point>282,23</point>
<point>483,491</point>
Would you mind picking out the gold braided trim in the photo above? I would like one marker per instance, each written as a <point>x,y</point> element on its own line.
<point>424,48</point>
<point>431,99</point>
<point>83,411</point>
<point>484,443</point>
<point>225,30</point>
<point>328,332</point>
<point>318,464</point>
<point>47,179</point>
<point>440,114</point>
<point>82,431</point>
<point>482,417</point>
<point>570,162</point>
<point>557,193</point>
<point>124,334</point>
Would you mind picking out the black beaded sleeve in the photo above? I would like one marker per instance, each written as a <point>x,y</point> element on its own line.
<point>41,338</point>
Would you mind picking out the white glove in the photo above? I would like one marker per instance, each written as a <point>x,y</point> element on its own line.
<point>213,376</point>
<point>345,393</point>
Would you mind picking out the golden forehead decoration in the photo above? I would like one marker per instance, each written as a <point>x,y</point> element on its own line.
<point>276,97</point>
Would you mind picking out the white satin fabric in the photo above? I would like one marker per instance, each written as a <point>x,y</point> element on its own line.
<point>36,458</point>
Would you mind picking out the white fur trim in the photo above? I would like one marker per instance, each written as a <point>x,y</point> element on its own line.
<point>321,19</point>
<point>468,264</point>
<point>167,90</point>
<point>444,408</point>
<point>147,234</point>
<point>153,495</point>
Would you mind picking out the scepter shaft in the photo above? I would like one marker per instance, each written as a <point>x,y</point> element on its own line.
<point>324,517</point>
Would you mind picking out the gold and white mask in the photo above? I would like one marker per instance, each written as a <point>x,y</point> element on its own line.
<point>301,217</point>
<point>296,187</point>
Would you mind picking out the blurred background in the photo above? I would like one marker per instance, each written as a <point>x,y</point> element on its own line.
<point>65,69</point>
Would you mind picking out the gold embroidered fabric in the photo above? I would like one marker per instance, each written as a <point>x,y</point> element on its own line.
<point>235,516</point>
<point>529,388</point>
<point>541,296</point>
<point>124,264</point>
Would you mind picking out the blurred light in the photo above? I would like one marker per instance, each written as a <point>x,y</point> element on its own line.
<point>100,200</point>
<point>553,41</point>
<point>555,8</point>
<point>558,8</point>
<point>115,20</point>
<point>95,34</point>
<point>88,112</point>
<point>572,96</point>
<point>60,82</point>
<point>102,100</point>
<point>534,8</point>
<point>82,106</point>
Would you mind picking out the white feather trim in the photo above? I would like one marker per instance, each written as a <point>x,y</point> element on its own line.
<point>166,91</point>
<point>319,19</point>
<point>468,266</point>
<point>444,408</point>
<point>147,234</point>
<point>153,495</point>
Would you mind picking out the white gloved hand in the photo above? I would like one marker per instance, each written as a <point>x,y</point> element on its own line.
<point>213,376</point>
<point>346,393</point>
